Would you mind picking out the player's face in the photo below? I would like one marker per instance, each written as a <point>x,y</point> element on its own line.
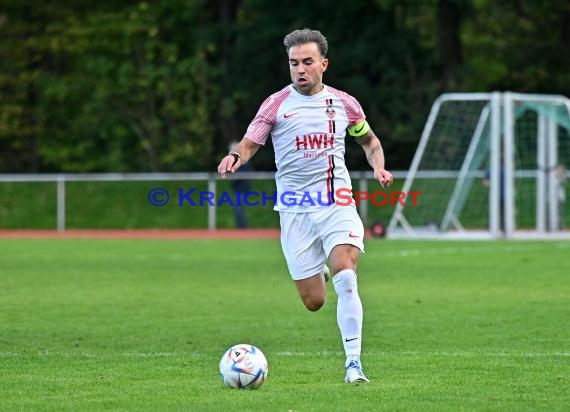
<point>307,67</point>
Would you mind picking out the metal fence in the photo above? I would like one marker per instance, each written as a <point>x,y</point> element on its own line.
<point>212,178</point>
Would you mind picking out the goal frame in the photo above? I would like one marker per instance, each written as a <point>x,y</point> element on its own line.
<point>500,108</point>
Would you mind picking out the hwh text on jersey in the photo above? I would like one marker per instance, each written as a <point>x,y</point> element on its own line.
<point>314,141</point>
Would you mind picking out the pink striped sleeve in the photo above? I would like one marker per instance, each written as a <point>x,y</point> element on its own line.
<point>353,109</point>
<point>260,127</point>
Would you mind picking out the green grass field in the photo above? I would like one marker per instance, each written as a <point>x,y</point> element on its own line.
<point>140,325</point>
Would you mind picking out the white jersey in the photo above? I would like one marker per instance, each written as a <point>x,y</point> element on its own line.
<point>308,137</point>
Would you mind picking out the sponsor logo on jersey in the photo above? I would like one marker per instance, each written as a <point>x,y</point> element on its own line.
<point>314,141</point>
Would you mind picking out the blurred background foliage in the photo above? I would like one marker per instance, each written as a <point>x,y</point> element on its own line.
<point>165,85</point>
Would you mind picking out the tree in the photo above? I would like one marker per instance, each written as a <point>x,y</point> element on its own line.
<point>165,85</point>
<point>146,94</point>
<point>109,88</point>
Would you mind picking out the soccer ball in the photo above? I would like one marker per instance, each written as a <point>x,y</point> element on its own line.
<point>243,366</point>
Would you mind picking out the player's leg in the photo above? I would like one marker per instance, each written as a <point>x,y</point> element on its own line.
<point>343,241</point>
<point>305,258</point>
<point>312,291</point>
<point>343,260</point>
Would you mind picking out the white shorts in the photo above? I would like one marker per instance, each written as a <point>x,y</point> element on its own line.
<point>308,238</point>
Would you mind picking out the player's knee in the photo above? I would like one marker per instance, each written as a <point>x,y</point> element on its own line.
<point>344,257</point>
<point>346,262</point>
<point>351,265</point>
<point>314,303</point>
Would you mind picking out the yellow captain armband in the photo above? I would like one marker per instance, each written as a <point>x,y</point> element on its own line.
<point>359,129</point>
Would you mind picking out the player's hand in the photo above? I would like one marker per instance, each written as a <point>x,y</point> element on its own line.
<point>384,177</point>
<point>229,164</point>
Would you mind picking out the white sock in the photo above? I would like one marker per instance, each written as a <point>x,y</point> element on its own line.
<point>348,311</point>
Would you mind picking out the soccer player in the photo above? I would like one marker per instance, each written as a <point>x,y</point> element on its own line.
<point>308,121</point>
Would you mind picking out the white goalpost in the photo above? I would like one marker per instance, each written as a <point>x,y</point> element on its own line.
<point>489,165</point>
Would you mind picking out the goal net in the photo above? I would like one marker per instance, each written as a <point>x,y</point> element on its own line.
<point>488,165</point>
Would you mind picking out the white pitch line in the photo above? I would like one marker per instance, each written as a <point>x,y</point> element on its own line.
<point>473,249</point>
<point>151,354</point>
<point>46,354</point>
<point>491,354</point>
<point>418,353</point>
<point>290,354</point>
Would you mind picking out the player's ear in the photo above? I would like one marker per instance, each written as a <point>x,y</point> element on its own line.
<point>325,64</point>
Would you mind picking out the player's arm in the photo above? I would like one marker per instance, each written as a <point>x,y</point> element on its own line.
<point>366,138</point>
<point>243,152</point>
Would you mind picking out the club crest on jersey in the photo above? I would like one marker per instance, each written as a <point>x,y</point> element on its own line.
<point>330,110</point>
